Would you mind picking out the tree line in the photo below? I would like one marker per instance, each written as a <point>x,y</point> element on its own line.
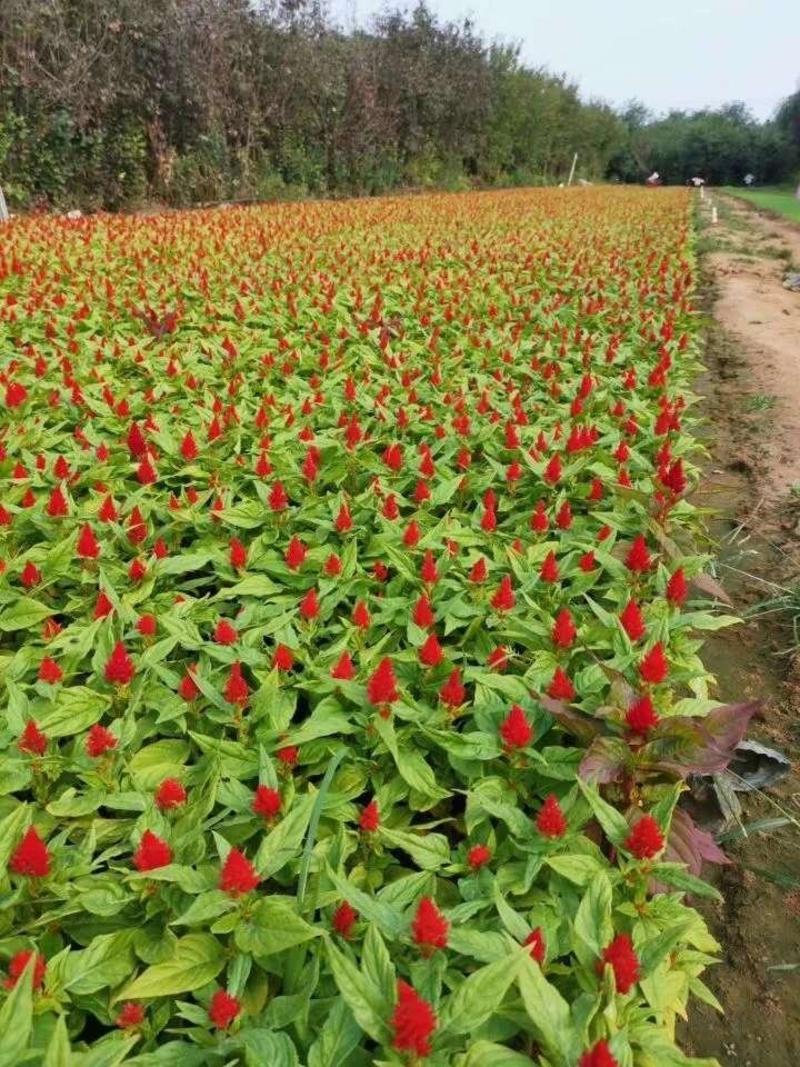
<point>109,103</point>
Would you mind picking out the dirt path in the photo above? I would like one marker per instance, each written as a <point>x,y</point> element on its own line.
<point>753,253</point>
<point>752,401</point>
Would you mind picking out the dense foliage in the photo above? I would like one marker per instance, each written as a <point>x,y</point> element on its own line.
<point>349,632</point>
<point>108,103</point>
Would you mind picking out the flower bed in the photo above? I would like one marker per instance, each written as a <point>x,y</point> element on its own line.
<point>349,621</point>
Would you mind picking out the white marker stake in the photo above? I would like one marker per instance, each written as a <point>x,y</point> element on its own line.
<point>572,169</point>
<point>714,217</point>
<point>702,192</point>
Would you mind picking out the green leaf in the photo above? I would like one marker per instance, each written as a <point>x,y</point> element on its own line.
<point>377,965</point>
<point>106,961</point>
<point>337,1038</point>
<point>575,868</point>
<point>207,906</point>
<point>58,1052</point>
<point>428,851</point>
<point>614,824</point>
<point>284,842</point>
<point>197,960</point>
<point>273,927</point>
<point>389,919</point>
<point>313,825</point>
<point>487,1054</point>
<point>268,1047</point>
<point>676,875</point>
<point>16,1019</point>
<point>73,710</point>
<point>24,613</point>
<point>370,1009</point>
<point>549,1013</point>
<point>12,829</point>
<point>479,996</point>
<point>593,924</point>
<point>153,763</point>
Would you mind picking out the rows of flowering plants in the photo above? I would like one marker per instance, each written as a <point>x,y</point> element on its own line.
<point>349,629</point>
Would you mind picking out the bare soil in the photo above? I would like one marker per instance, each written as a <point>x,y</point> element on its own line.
<point>752,401</point>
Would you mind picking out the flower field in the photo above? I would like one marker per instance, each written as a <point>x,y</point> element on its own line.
<point>350,613</point>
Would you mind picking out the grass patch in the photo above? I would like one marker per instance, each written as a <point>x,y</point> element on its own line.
<point>777,200</point>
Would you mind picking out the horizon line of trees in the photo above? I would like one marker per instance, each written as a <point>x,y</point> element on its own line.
<point>110,103</point>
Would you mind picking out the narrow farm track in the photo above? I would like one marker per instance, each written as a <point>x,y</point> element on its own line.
<point>352,610</point>
<point>752,391</point>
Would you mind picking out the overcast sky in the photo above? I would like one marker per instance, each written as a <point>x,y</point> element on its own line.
<point>667,53</point>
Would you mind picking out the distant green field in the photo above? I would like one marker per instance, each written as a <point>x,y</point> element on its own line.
<point>781,201</point>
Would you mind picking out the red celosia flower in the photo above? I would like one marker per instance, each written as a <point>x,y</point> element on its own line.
<point>645,839</point>
<point>146,625</point>
<point>423,613</point>
<point>344,521</point>
<point>119,669</point>
<point>537,947</point>
<point>170,795</point>
<point>153,852</point>
<point>598,1055</point>
<point>32,740</point>
<point>478,856</point>
<point>653,666</point>
<point>428,571</point>
<point>189,449</point>
<point>223,1009</point>
<point>677,589</point>
<point>238,875</point>
<point>137,570</point>
<point>87,546</point>
<point>99,740</point>
<point>282,658</point>
<point>238,554</point>
<point>31,575</point>
<point>412,534</point>
<point>431,653</point>
<point>266,802</point>
<point>237,690</point>
<point>333,565</point>
<point>638,558</point>
<point>49,671</point>
<point>549,569</point>
<point>102,606</point>
<point>498,658</point>
<point>369,819</point>
<point>551,822</point>
<point>344,919</point>
<point>382,684</point>
<point>188,687</point>
<point>309,605</point>
<point>17,965</point>
<point>641,716</point>
<point>413,1022</point>
<point>504,598</point>
<point>552,472</point>
<point>429,927</point>
<point>361,617</point>
<point>130,1016</point>
<point>295,554</point>
<point>288,755</point>
<point>587,561</point>
<point>478,572</point>
<point>31,857</point>
<point>16,394</point>
<point>453,692</point>
<point>57,504</point>
<point>624,962</point>
<point>278,500</point>
<point>632,621</point>
<point>561,688</point>
<point>343,670</point>
<point>225,633</point>
<point>515,729</point>
<point>564,630</point>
